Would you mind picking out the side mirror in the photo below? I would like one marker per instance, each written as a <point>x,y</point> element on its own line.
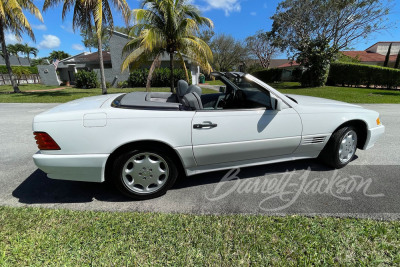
<point>278,105</point>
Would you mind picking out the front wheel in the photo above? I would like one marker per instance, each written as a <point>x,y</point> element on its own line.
<point>144,173</point>
<point>341,148</point>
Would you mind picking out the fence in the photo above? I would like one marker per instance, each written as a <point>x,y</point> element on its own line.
<point>23,79</point>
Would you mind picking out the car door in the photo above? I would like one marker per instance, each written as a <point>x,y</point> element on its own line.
<point>221,136</point>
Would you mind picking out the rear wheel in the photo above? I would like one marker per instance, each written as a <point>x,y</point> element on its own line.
<point>341,147</point>
<point>144,173</point>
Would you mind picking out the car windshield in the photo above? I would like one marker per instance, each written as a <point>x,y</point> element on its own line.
<point>240,93</point>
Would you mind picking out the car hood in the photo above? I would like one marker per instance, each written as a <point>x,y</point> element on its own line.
<point>312,101</point>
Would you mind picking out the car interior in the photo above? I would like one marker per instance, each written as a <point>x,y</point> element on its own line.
<point>238,93</point>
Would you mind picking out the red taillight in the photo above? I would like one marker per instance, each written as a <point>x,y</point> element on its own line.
<point>45,142</point>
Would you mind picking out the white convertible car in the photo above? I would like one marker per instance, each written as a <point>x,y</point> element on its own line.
<point>141,141</point>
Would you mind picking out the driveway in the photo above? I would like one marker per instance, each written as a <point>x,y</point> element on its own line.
<point>368,187</point>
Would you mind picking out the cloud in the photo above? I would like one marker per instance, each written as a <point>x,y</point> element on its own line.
<point>228,6</point>
<point>67,27</point>
<point>253,13</point>
<point>11,38</point>
<point>40,27</point>
<point>49,42</point>
<point>78,47</point>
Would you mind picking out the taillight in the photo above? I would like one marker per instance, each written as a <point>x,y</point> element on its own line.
<point>45,142</point>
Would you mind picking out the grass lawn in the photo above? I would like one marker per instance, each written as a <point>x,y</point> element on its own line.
<point>346,94</point>
<point>216,82</point>
<point>43,237</point>
<point>64,95</point>
<point>27,87</point>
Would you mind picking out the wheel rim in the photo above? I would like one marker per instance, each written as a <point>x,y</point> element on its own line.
<point>145,173</point>
<point>348,146</point>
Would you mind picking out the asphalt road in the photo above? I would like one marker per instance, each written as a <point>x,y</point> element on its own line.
<point>368,187</point>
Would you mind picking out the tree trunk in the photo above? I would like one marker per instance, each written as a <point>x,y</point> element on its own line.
<point>102,77</point>
<point>155,63</point>
<point>7,59</point>
<point>171,67</point>
<point>184,67</point>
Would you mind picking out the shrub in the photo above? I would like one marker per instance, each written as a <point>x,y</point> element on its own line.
<point>108,85</point>
<point>297,73</point>
<point>19,69</point>
<point>123,84</point>
<point>86,79</point>
<point>269,75</point>
<point>352,74</point>
<point>138,77</point>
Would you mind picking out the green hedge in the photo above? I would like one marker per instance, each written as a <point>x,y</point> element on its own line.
<point>86,79</point>
<point>269,75</point>
<point>19,69</point>
<point>353,74</point>
<point>138,77</point>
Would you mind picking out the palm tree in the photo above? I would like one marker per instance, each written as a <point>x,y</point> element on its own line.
<point>15,50</point>
<point>28,50</point>
<point>92,12</point>
<point>170,26</point>
<point>13,19</point>
<point>60,55</point>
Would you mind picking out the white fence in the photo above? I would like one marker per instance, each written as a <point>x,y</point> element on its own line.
<point>23,79</point>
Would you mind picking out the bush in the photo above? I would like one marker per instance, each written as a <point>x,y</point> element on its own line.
<point>269,75</point>
<point>86,79</point>
<point>123,84</point>
<point>19,69</point>
<point>138,77</point>
<point>108,85</point>
<point>297,73</point>
<point>353,74</point>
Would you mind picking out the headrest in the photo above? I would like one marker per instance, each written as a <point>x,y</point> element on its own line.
<point>195,89</point>
<point>182,88</point>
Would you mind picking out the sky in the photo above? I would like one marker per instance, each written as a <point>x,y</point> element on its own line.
<point>240,18</point>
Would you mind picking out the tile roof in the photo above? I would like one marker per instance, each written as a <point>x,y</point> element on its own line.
<point>93,57</point>
<point>365,56</point>
<point>289,64</point>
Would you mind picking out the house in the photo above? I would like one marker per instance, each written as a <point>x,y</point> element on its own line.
<point>112,60</point>
<point>15,61</point>
<point>373,55</point>
<point>376,54</point>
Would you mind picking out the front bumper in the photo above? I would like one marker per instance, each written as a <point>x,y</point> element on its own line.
<point>86,168</point>
<point>373,135</point>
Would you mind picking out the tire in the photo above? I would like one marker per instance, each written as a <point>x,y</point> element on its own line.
<point>144,173</point>
<point>341,147</point>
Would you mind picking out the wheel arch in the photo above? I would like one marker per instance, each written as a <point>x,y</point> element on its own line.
<point>142,143</point>
<point>361,128</point>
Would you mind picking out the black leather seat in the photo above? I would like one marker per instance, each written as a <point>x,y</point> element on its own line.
<point>192,100</point>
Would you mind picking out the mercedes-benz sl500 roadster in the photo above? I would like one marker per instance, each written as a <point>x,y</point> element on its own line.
<point>142,141</point>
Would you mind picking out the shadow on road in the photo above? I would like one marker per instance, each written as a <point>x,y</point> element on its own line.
<point>251,172</point>
<point>38,189</point>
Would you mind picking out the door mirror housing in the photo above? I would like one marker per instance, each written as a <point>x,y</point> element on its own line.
<point>277,104</point>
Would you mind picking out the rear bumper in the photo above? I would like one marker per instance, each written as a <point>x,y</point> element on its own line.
<point>87,168</point>
<point>373,135</point>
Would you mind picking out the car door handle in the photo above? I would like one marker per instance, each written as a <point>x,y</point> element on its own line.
<point>205,126</point>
